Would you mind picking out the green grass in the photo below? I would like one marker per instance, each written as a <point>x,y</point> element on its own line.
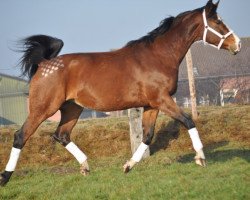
<point>162,176</point>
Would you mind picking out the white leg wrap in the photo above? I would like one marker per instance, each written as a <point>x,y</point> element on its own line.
<point>76,152</point>
<point>194,135</point>
<point>14,155</point>
<point>139,152</point>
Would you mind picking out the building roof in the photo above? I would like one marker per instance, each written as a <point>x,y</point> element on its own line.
<point>210,62</point>
<point>13,77</point>
<point>11,85</point>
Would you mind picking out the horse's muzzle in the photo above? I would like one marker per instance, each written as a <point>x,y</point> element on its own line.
<point>234,49</point>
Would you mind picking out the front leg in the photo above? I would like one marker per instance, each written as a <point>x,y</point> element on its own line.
<point>169,107</point>
<point>200,157</point>
<point>148,123</point>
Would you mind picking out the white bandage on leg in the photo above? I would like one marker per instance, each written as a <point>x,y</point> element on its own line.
<point>194,135</point>
<point>139,152</point>
<point>76,152</point>
<point>14,155</point>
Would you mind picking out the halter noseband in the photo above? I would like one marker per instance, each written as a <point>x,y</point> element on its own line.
<point>208,28</point>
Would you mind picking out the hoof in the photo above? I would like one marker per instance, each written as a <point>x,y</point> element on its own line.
<point>84,169</point>
<point>200,158</point>
<point>128,166</point>
<point>84,172</point>
<point>3,180</point>
<point>200,161</point>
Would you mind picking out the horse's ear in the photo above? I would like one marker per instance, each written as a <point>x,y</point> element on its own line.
<point>211,7</point>
<point>216,4</point>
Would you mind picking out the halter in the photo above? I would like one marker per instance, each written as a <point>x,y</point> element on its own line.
<point>208,28</point>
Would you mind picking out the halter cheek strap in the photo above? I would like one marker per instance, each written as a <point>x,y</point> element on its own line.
<point>208,28</point>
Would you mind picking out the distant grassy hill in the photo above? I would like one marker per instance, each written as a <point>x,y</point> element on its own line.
<point>47,171</point>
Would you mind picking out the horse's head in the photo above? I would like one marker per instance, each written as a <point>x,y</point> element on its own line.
<point>216,33</point>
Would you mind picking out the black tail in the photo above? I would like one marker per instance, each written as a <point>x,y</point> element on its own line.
<point>37,48</point>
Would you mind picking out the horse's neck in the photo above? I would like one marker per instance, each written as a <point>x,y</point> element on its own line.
<point>175,43</point>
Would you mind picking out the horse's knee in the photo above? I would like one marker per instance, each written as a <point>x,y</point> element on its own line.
<point>63,138</point>
<point>19,139</point>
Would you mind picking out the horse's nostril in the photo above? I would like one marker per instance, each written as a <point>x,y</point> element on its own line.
<point>239,45</point>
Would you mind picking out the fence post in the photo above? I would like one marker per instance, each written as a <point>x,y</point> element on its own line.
<point>93,114</point>
<point>191,84</point>
<point>222,98</point>
<point>136,131</point>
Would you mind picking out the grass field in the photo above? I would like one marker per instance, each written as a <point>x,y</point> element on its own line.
<point>47,171</point>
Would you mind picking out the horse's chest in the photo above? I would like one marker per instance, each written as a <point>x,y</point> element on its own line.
<point>167,80</point>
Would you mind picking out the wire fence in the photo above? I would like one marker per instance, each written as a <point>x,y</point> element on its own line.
<point>220,78</point>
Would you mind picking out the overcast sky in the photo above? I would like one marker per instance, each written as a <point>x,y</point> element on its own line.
<point>97,25</point>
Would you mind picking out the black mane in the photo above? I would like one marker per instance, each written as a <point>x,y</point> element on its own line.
<point>165,25</point>
<point>150,37</point>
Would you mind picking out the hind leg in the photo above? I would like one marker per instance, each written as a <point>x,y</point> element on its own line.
<point>20,138</point>
<point>70,113</point>
<point>148,122</point>
<point>40,109</point>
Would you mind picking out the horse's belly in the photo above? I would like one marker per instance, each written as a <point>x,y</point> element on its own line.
<point>111,101</point>
<point>110,106</point>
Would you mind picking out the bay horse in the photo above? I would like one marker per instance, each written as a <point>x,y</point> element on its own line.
<point>143,73</point>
